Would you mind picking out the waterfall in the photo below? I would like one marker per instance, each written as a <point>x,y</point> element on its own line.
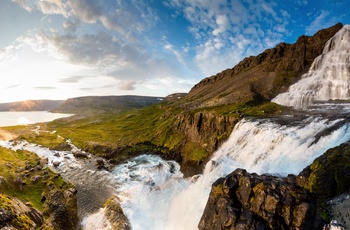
<point>154,194</point>
<point>328,78</point>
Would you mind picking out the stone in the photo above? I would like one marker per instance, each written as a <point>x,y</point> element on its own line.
<point>249,201</point>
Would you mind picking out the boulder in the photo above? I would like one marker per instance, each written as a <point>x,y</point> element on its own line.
<point>60,210</point>
<point>249,201</point>
<point>115,214</point>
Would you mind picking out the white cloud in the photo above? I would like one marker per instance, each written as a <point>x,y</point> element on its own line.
<point>24,5</point>
<point>227,31</point>
<point>69,26</point>
<point>322,20</point>
<point>127,85</point>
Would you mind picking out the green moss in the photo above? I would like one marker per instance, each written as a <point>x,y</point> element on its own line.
<point>13,165</point>
<point>284,79</point>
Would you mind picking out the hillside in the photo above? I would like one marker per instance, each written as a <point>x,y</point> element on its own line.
<point>105,103</point>
<point>31,105</point>
<point>186,128</point>
<point>260,77</point>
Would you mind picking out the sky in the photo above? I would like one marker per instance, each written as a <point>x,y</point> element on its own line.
<point>59,49</point>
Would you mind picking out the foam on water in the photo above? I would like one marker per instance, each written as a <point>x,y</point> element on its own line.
<point>155,196</point>
<point>328,78</point>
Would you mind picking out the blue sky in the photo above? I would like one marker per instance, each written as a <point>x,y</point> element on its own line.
<point>57,49</point>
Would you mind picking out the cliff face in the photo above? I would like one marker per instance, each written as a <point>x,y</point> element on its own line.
<point>267,74</point>
<point>247,201</point>
<point>203,133</point>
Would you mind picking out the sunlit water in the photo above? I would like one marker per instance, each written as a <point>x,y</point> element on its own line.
<point>155,196</point>
<point>25,118</point>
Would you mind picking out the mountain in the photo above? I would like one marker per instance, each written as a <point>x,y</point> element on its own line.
<point>260,77</point>
<point>31,105</point>
<point>105,103</point>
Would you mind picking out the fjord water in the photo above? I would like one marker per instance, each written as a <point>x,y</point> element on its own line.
<point>153,193</point>
<point>25,118</point>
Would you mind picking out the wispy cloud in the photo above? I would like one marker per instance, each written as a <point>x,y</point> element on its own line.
<point>322,20</point>
<point>44,88</point>
<point>227,31</point>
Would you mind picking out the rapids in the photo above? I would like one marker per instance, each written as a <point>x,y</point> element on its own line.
<point>153,192</point>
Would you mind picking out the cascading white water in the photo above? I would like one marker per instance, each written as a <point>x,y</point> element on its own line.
<point>328,78</point>
<point>153,193</point>
<point>155,198</point>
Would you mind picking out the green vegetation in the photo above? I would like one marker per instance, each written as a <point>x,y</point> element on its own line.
<point>284,79</point>
<point>162,128</point>
<point>25,178</point>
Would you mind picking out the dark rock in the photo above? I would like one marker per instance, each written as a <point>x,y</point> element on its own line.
<point>60,210</point>
<point>80,154</point>
<point>34,179</point>
<point>115,214</point>
<point>5,217</point>
<point>56,163</point>
<point>249,201</point>
<point>267,74</point>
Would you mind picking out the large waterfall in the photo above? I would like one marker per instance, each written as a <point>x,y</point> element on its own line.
<point>155,196</point>
<point>328,78</point>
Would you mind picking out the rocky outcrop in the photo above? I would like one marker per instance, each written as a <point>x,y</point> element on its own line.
<point>115,215</point>
<point>14,214</point>
<point>203,133</point>
<point>249,201</point>
<point>60,209</point>
<point>269,73</point>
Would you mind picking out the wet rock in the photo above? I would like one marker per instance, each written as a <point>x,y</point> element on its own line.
<point>249,201</point>
<point>56,163</point>
<point>60,210</point>
<point>80,154</point>
<point>115,214</point>
<point>100,163</point>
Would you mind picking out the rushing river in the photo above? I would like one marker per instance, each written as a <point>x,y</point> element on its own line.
<point>155,196</point>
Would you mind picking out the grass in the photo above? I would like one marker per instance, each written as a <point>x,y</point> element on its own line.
<point>19,168</point>
<point>153,129</point>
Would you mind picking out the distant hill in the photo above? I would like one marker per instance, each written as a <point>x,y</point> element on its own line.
<point>31,105</point>
<point>105,103</point>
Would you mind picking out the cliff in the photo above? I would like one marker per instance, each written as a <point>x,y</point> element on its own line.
<point>266,74</point>
<point>249,201</point>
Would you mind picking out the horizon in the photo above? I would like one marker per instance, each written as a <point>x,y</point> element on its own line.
<point>60,49</point>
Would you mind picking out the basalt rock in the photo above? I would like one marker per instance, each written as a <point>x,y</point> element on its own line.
<point>269,73</point>
<point>61,210</point>
<point>115,214</point>
<point>249,201</point>
<point>204,132</point>
<point>307,201</point>
<point>14,214</point>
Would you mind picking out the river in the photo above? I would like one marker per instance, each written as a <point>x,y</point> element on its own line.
<point>153,192</point>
